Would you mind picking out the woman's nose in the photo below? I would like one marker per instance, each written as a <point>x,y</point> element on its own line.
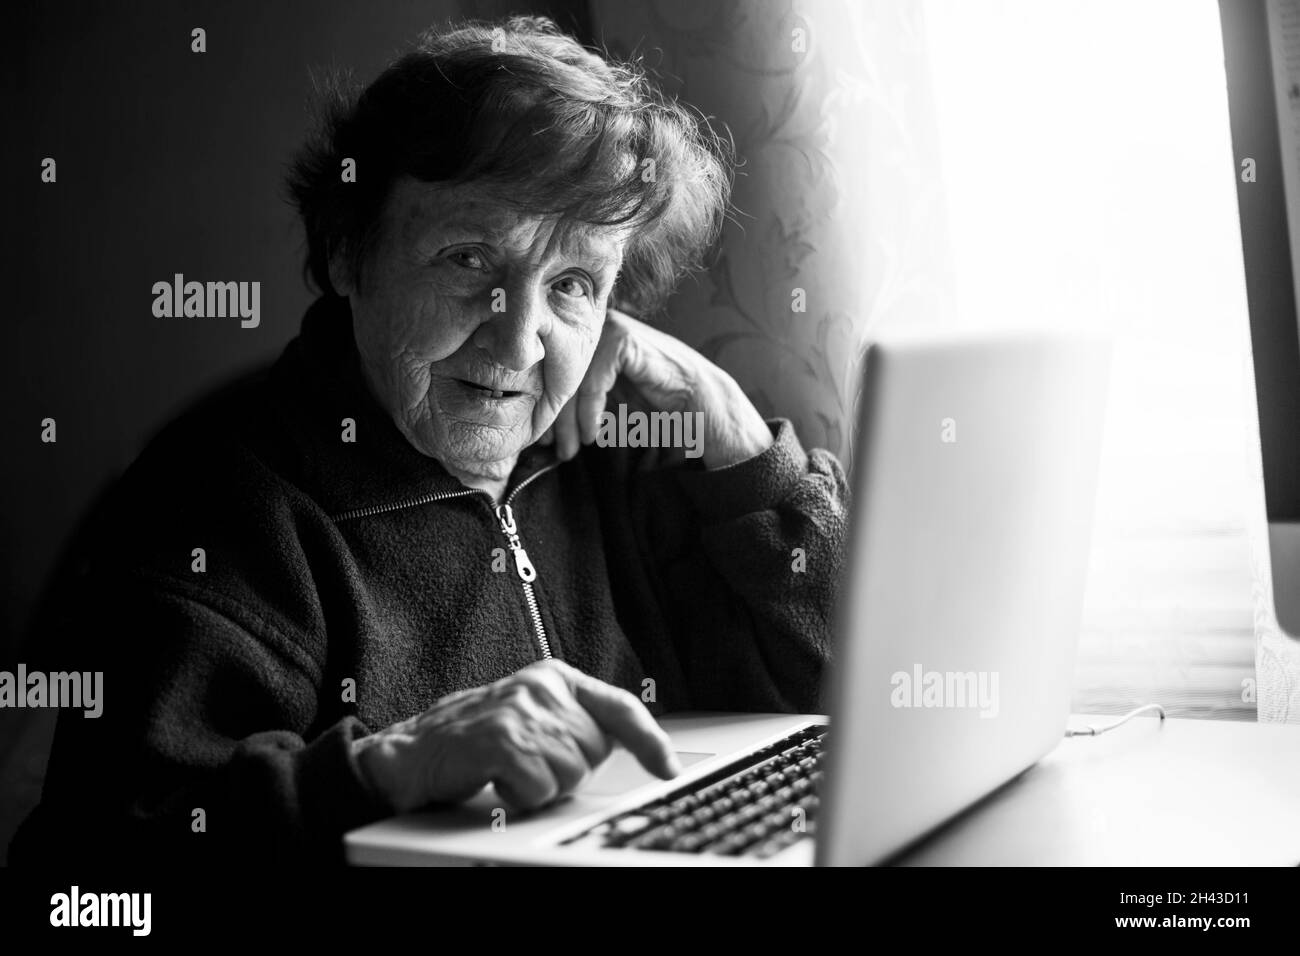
<point>512,332</point>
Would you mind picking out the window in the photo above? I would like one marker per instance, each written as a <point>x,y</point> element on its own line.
<point>1090,180</point>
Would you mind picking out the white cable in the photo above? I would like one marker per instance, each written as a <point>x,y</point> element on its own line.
<point>1093,730</point>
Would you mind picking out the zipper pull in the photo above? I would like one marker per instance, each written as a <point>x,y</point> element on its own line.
<point>523,566</point>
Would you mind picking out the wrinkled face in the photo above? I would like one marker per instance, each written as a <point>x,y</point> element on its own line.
<point>475,322</point>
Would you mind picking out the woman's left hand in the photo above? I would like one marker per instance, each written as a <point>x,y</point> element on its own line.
<point>671,377</point>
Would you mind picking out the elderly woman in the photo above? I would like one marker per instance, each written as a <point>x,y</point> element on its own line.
<point>397,567</point>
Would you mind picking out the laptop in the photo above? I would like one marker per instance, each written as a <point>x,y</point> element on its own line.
<point>974,479</point>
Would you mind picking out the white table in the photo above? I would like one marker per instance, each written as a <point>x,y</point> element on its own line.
<point>1177,793</point>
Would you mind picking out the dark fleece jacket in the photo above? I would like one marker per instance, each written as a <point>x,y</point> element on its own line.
<point>325,562</point>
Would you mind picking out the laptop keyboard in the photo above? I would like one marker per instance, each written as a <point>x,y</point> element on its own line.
<point>755,806</point>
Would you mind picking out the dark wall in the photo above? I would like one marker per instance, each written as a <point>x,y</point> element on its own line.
<point>167,161</point>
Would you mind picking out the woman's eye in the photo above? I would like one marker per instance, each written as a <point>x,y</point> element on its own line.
<point>467,259</point>
<point>571,286</point>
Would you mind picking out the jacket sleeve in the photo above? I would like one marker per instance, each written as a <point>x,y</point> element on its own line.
<point>748,560</point>
<point>180,765</point>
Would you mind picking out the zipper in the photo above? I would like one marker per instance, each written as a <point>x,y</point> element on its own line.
<point>524,567</point>
<point>527,574</point>
<point>372,510</point>
<point>506,520</point>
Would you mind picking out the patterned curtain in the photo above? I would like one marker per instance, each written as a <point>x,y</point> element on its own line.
<point>840,224</point>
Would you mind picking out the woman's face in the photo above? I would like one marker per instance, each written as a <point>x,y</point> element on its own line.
<point>475,323</point>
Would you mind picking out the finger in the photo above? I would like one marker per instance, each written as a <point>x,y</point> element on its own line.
<point>658,363</point>
<point>549,691</point>
<point>525,780</point>
<point>588,414</point>
<point>567,441</point>
<point>601,374</point>
<point>566,760</point>
<point>557,727</point>
<point>625,718</point>
<point>594,744</point>
<point>447,708</point>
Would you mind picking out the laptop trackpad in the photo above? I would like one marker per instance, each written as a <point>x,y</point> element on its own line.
<point>621,773</point>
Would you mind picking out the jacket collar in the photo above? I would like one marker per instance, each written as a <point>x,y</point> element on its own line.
<point>318,383</point>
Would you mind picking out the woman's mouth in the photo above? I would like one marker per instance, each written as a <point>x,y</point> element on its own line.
<point>487,391</point>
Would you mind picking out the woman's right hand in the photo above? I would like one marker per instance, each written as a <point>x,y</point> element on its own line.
<point>536,735</point>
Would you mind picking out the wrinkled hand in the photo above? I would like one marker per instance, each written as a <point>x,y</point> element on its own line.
<point>536,735</point>
<point>671,377</point>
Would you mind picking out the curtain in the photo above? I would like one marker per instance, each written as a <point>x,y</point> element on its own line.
<point>840,221</point>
